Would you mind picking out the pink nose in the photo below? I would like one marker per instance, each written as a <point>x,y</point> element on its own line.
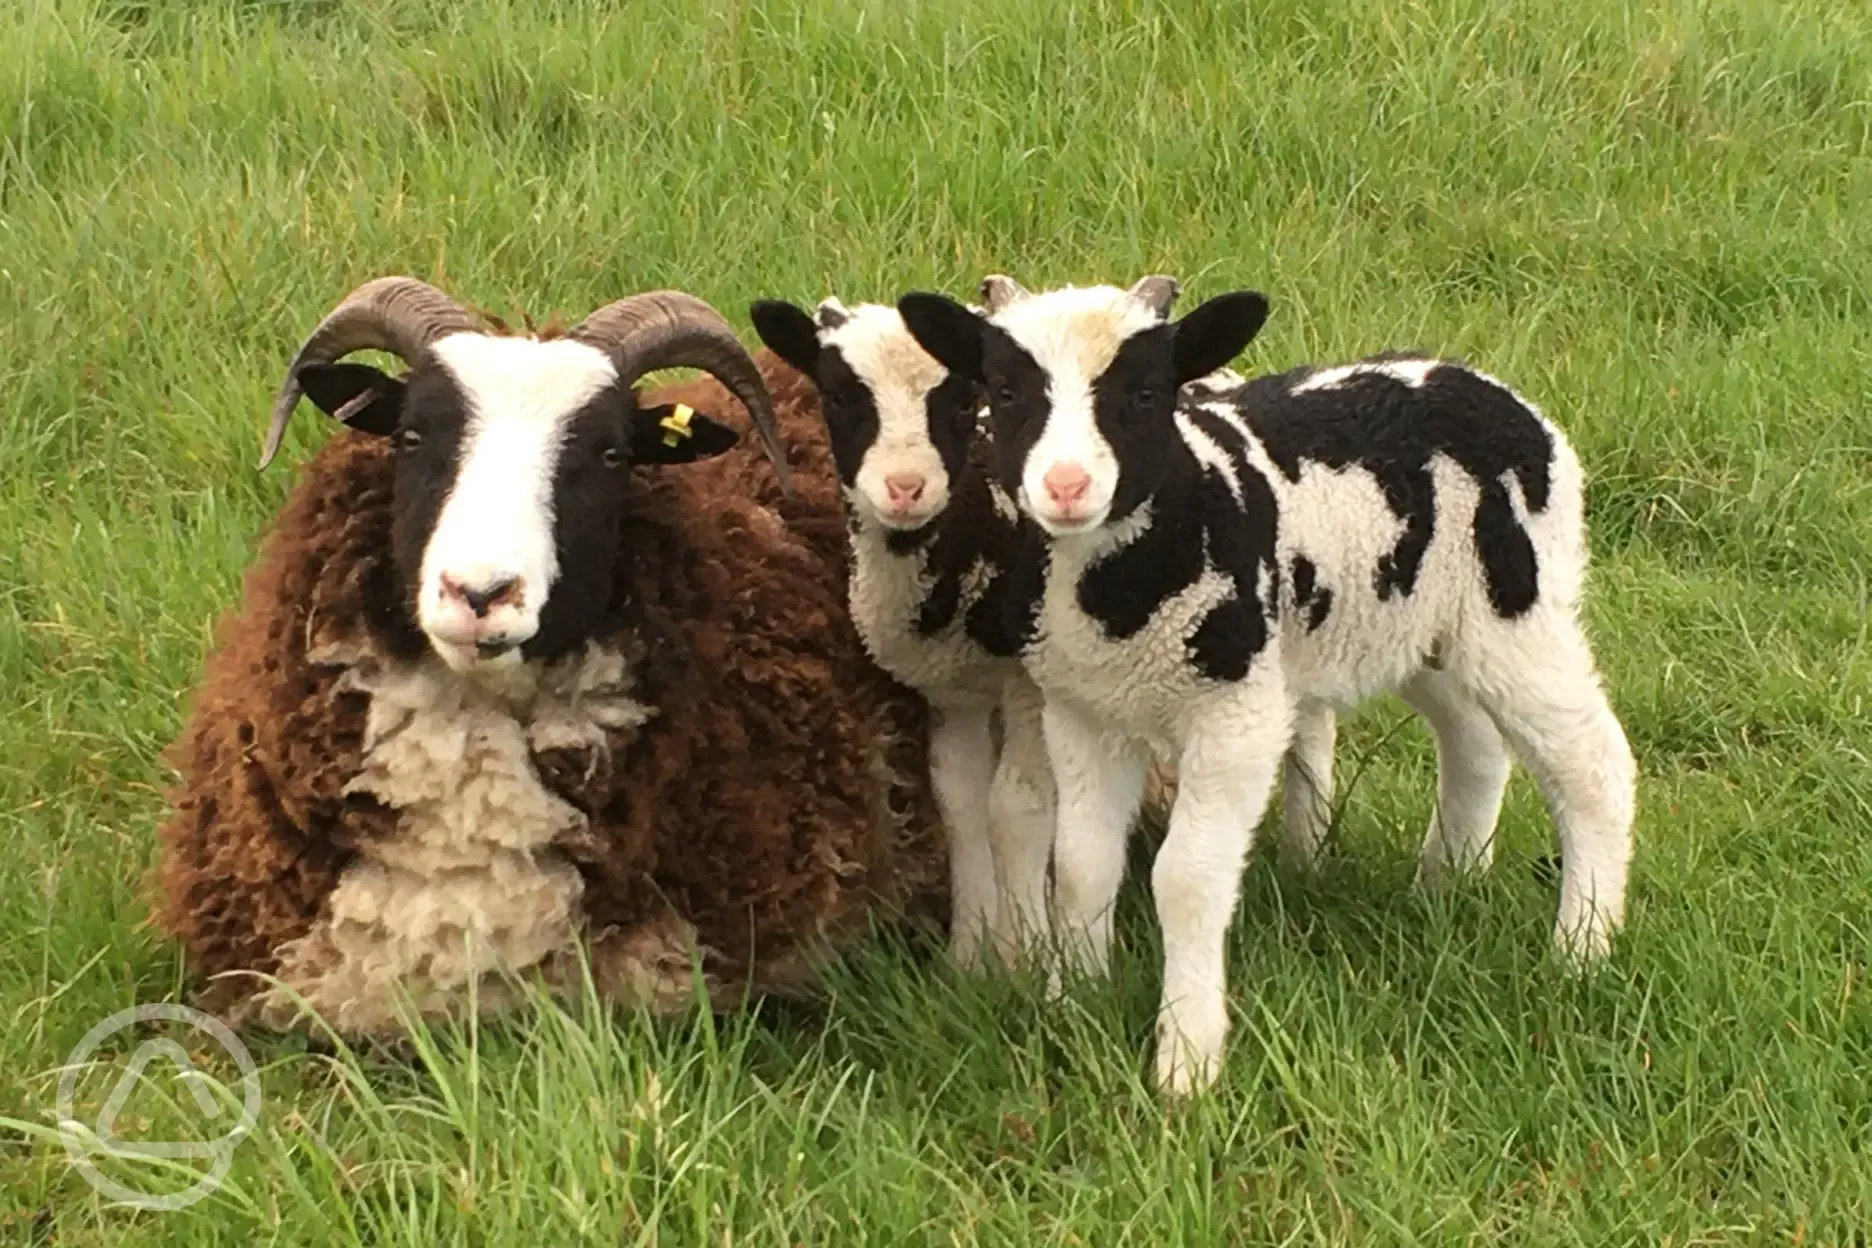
<point>904,488</point>
<point>1066,484</point>
<point>480,599</point>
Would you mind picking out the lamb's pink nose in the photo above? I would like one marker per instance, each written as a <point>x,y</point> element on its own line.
<point>1066,484</point>
<point>904,488</point>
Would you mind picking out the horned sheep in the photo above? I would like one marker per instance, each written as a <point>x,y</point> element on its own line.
<point>509,689</point>
<point>1214,573</point>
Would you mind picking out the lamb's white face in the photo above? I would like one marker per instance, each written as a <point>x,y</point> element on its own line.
<point>1073,338</point>
<point>901,480</point>
<point>491,559</point>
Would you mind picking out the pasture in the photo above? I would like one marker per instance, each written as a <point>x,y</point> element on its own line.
<point>1652,220</point>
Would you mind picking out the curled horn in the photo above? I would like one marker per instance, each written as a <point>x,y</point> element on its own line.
<point>397,314</point>
<point>669,329</point>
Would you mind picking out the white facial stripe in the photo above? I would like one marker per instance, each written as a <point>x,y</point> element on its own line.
<point>900,375</point>
<point>1073,334</point>
<point>497,520</point>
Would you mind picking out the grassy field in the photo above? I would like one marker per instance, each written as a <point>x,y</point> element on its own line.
<point>1657,223</point>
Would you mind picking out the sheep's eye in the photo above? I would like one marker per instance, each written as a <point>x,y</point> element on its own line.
<point>612,457</point>
<point>1004,393</point>
<point>1144,396</point>
<point>409,439</point>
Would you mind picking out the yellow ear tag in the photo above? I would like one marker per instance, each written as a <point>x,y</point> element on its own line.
<point>677,422</point>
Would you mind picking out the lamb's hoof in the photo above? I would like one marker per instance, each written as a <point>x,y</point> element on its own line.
<point>1583,947</point>
<point>1299,854</point>
<point>1442,860</point>
<point>1436,868</point>
<point>1188,1065</point>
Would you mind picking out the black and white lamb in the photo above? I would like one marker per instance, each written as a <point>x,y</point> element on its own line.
<point>1218,570</point>
<point>932,532</point>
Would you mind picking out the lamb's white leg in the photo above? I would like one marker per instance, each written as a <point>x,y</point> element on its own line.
<point>962,765</point>
<point>1227,769</point>
<point>1472,772</point>
<point>1100,777</point>
<point>1538,681</point>
<point>1307,784</point>
<point>1022,815</point>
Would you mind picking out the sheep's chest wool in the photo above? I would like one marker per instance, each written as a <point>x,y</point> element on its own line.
<point>471,883</point>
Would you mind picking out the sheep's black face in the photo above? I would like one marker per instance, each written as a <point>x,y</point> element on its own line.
<point>1082,388</point>
<point>512,470</point>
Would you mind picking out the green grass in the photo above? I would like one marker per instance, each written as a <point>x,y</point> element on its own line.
<point>1655,222</point>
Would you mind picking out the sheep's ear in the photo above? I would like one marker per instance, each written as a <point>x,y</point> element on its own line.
<point>363,397</point>
<point>948,331</point>
<point>999,291</point>
<point>1157,292</point>
<point>788,332</point>
<point>1215,332</point>
<point>675,433</point>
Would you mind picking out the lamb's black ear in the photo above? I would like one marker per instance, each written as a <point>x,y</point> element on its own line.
<point>363,397</point>
<point>948,331</point>
<point>676,433</point>
<point>788,331</point>
<point>1215,333</point>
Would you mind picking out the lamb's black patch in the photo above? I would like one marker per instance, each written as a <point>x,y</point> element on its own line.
<point>1509,563</point>
<point>850,412</point>
<point>950,410</point>
<point>968,533</point>
<point>1127,401</point>
<point>1391,429</point>
<point>1411,493</point>
<point>1124,589</point>
<point>1018,403</point>
<point>1245,550</point>
<point>902,542</point>
<point>1195,522</point>
<point>1010,612</point>
<point>1241,543</point>
<point>1320,610</point>
<point>1310,594</point>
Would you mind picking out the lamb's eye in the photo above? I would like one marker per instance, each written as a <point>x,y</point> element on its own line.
<point>409,439</point>
<point>1144,396</point>
<point>1004,393</point>
<point>612,457</point>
